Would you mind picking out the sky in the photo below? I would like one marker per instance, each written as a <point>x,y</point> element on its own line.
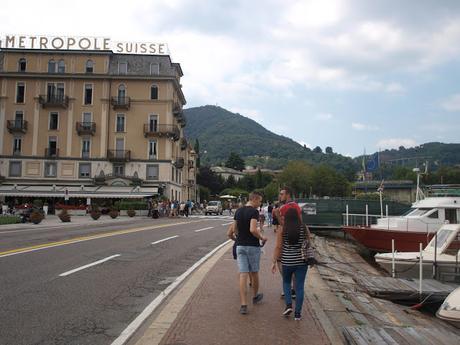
<point>351,74</point>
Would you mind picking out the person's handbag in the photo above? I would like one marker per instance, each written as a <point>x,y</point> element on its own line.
<point>307,250</point>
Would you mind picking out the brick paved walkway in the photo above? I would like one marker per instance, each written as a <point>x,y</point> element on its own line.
<point>211,316</point>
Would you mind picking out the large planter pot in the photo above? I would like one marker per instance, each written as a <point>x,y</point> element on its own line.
<point>113,214</point>
<point>95,215</point>
<point>131,213</point>
<point>64,216</point>
<point>36,218</point>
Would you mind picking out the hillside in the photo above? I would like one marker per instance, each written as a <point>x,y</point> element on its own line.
<point>220,132</point>
<point>438,154</point>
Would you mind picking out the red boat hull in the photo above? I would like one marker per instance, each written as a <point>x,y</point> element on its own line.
<point>379,240</point>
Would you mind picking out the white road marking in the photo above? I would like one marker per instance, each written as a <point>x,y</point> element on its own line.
<point>165,239</point>
<point>89,265</point>
<point>134,326</point>
<point>227,223</point>
<point>199,230</point>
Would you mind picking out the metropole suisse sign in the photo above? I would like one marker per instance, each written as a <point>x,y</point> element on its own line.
<point>82,43</point>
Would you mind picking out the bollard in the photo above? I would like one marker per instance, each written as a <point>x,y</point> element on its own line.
<point>367,215</point>
<point>393,272</point>
<point>346,214</point>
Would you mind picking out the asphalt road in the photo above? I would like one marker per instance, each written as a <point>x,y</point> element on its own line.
<point>95,279</point>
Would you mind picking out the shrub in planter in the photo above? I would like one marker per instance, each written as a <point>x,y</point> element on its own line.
<point>95,214</point>
<point>131,213</point>
<point>36,217</point>
<point>113,214</point>
<point>64,216</point>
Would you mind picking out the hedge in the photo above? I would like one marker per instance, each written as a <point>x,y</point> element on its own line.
<point>9,220</point>
<point>131,204</point>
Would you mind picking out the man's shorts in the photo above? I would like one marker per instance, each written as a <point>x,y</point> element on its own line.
<point>248,258</point>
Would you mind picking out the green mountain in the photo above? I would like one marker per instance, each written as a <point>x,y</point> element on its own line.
<point>221,132</point>
<point>437,154</point>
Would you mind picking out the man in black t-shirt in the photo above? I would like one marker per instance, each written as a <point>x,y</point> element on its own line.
<point>269,213</point>
<point>248,248</point>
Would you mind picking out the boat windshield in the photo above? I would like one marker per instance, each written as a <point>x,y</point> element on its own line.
<point>443,235</point>
<point>417,212</point>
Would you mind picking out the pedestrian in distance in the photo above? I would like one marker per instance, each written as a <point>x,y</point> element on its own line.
<point>288,250</point>
<point>270,214</point>
<point>248,251</point>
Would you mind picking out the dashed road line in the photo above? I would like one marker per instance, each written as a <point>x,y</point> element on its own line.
<point>199,230</point>
<point>89,265</point>
<point>165,239</point>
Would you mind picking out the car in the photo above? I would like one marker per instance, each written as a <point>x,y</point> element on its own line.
<point>214,207</point>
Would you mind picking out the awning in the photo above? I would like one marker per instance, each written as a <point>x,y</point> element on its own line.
<point>106,192</point>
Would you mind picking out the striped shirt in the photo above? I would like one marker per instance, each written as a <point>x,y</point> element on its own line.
<point>291,254</point>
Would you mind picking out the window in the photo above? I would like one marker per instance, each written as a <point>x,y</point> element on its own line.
<point>85,148</point>
<point>153,123</point>
<point>87,118</point>
<point>15,169</point>
<point>88,94</point>
<point>61,66</point>
<point>84,170</point>
<point>51,66</point>
<point>22,65</point>
<point>152,172</point>
<point>17,145</point>
<point>50,169</point>
<point>55,91</point>
<point>120,123</point>
<point>154,69</point>
<point>152,149</point>
<point>20,92</point>
<point>18,118</point>
<point>434,215</point>
<point>154,92</point>
<point>122,68</point>
<point>54,121</point>
<point>119,169</point>
<point>52,146</point>
<point>89,66</point>
<point>121,92</point>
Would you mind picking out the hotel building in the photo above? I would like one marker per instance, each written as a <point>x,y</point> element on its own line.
<point>92,124</point>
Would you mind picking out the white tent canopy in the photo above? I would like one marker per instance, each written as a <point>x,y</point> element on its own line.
<point>228,197</point>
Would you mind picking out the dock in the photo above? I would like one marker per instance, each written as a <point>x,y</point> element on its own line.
<point>356,300</point>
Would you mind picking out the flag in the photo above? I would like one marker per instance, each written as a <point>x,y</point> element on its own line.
<point>372,163</point>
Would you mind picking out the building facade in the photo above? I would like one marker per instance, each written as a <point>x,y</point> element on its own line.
<point>83,119</point>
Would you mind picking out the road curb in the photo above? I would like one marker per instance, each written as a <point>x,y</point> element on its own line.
<point>156,330</point>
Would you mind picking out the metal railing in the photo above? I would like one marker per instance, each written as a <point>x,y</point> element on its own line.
<point>170,131</point>
<point>16,126</point>
<point>119,155</point>
<point>51,152</point>
<point>84,128</point>
<point>56,101</point>
<point>120,102</point>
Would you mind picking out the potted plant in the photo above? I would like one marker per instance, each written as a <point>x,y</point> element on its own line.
<point>64,216</point>
<point>36,217</point>
<point>131,213</point>
<point>113,213</point>
<point>95,213</point>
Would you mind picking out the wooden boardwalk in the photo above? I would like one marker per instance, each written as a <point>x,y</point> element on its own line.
<point>354,305</point>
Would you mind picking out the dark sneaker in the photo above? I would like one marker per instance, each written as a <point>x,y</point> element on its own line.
<point>297,317</point>
<point>243,309</point>
<point>293,294</point>
<point>288,310</point>
<point>258,298</point>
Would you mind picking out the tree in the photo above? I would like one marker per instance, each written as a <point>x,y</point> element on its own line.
<point>296,175</point>
<point>204,193</point>
<point>317,149</point>
<point>197,151</point>
<point>209,179</point>
<point>234,161</point>
<point>329,150</point>
<point>231,182</point>
<point>271,191</point>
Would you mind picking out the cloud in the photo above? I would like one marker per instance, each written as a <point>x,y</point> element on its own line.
<point>452,103</point>
<point>324,116</point>
<point>394,143</point>
<point>363,127</point>
<point>253,114</point>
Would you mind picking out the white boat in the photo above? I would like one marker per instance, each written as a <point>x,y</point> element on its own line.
<point>450,309</point>
<point>418,225</point>
<point>442,249</point>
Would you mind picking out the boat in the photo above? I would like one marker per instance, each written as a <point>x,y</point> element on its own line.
<point>443,251</point>
<point>450,309</point>
<point>416,226</point>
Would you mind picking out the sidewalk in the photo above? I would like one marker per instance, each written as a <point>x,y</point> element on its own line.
<point>211,314</point>
<point>52,221</point>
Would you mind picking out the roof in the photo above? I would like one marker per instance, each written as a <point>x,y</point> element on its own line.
<point>105,192</point>
<point>225,170</point>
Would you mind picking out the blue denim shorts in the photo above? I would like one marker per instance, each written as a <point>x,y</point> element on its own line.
<point>248,258</point>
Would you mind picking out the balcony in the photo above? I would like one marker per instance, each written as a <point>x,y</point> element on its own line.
<point>54,101</point>
<point>17,153</point>
<point>120,103</point>
<point>180,117</point>
<point>119,155</point>
<point>16,126</point>
<point>183,144</point>
<point>179,163</point>
<point>51,152</point>
<point>168,131</point>
<point>86,128</point>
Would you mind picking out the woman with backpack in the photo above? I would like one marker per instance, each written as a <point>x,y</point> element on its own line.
<point>291,239</point>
